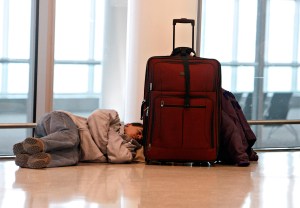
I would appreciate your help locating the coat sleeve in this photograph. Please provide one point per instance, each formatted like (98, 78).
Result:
(99, 122)
(236, 137)
(118, 149)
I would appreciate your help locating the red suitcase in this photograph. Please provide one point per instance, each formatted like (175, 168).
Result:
(182, 106)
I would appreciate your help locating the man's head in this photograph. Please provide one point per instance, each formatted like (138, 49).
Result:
(134, 130)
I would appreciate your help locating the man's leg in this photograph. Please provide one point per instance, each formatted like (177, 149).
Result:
(58, 132)
(58, 144)
(65, 157)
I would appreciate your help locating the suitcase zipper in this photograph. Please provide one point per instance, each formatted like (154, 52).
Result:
(162, 104)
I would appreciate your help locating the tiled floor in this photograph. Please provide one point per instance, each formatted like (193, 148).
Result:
(273, 181)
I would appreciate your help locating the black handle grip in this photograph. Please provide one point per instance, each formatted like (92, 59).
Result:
(184, 20)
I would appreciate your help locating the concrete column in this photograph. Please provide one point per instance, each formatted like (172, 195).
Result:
(46, 57)
(114, 55)
(150, 34)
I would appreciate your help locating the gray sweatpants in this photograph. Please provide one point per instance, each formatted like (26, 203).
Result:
(61, 139)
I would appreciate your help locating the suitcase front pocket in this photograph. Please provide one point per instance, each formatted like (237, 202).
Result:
(176, 126)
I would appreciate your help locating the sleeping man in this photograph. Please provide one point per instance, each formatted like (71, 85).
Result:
(64, 139)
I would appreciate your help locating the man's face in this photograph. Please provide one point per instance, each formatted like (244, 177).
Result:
(135, 132)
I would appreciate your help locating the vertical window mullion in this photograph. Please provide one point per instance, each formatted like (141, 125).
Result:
(33, 59)
(199, 27)
(264, 63)
(203, 25)
(257, 110)
(5, 46)
(4, 78)
(92, 47)
(235, 43)
(258, 104)
(5, 28)
(296, 46)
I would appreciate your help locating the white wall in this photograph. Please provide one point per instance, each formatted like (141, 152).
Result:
(149, 34)
(114, 55)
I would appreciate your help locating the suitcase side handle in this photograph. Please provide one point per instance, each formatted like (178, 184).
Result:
(184, 21)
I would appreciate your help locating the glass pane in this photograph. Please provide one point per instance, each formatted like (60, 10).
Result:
(2, 10)
(16, 100)
(245, 79)
(98, 79)
(72, 31)
(77, 33)
(19, 28)
(9, 137)
(279, 79)
(298, 83)
(229, 34)
(226, 78)
(1, 84)
(281, 31)
(279, 107)
(70, 79)
(298, 52)
(18, 79)
(79, 45)
(217, 35)
(247, 31)
(282, 136)
(99, 24)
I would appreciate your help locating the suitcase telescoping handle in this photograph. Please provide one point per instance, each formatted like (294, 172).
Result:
(184, 52)
(184, 21)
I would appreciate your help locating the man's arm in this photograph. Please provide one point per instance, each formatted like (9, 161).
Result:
(99, 122)
(118, 149)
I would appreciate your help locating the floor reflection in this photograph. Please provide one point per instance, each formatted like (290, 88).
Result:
(273, 181)
(81, 185)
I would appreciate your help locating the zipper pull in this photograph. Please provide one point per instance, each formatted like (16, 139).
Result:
(147, 111)
(162, 103)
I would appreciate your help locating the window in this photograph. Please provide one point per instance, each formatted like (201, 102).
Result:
(90, 53)
(257, 43)
(74, 36)
(229, 35)
(15, 40)
(16, 68)
(78, 54)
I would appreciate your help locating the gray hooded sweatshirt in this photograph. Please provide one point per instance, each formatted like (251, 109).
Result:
(102, 138)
